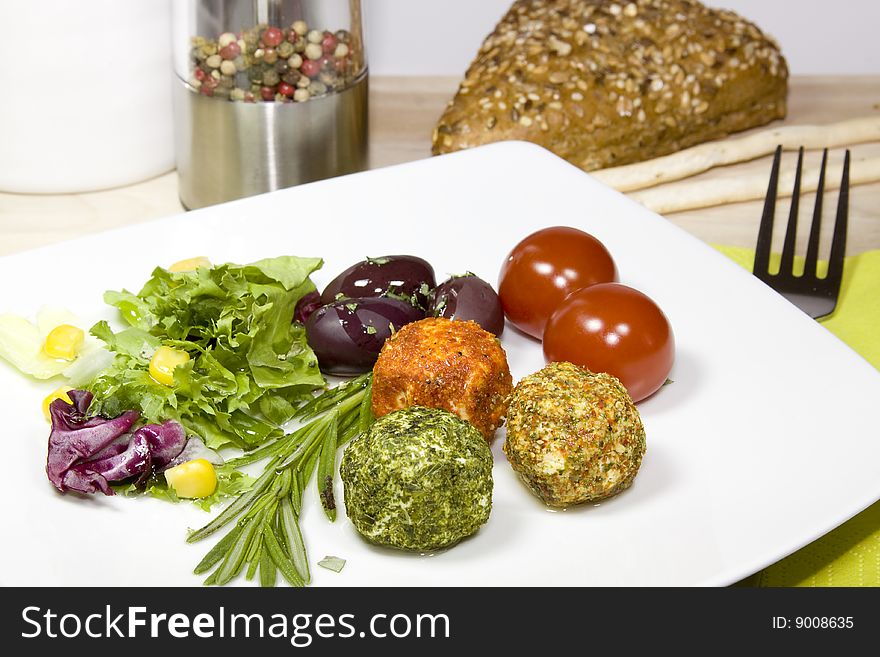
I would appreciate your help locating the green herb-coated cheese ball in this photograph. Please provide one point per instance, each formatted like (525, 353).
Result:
(418, 479)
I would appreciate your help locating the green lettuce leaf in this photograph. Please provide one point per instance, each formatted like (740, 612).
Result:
(250, 366)
(230, 483)
(290, 271)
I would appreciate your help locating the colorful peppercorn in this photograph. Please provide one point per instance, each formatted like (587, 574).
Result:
(328, 43)
(226, 39)
(317, 88)
(295, 63)
(230, 51)
(310, 67)
(314, 51)
(208, 86)
(272, 36)
(271, 78)
(285, 50)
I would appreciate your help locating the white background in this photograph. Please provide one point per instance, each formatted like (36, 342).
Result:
(441, 37)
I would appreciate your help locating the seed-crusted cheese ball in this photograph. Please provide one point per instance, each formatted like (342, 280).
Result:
(572, 435)
(418, 479)
(443, 363)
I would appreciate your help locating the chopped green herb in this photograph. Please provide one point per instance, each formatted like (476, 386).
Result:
(332, 563)
(392, 293)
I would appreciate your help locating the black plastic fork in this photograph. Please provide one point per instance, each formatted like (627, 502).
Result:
(815, 296)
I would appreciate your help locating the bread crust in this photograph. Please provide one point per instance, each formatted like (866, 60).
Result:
(603, 83)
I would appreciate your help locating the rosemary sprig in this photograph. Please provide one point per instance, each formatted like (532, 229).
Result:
(266, 536)
(332, 397)
(327, 468)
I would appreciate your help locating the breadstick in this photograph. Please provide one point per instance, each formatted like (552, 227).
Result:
(691, 195)
(730, 151)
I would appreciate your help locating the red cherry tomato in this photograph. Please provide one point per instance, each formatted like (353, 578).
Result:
(545, 268)
(615, 329)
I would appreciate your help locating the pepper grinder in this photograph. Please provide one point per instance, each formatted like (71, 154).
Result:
(267, 94)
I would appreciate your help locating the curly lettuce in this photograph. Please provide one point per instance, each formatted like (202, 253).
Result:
(250, 366)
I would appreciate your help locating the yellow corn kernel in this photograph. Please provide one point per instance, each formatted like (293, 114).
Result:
(190, 264)
(61, 393)
(64, 342)
(195, 478)
(164, 362)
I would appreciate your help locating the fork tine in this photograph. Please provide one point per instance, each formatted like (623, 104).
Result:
(813, 244)
(838, 242)
(765, 231)
(786, 263)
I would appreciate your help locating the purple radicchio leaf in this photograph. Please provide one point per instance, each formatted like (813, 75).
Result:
(151, 446)
(195, 449)
(82, 480)
(76, 437)
(87, 453)
(166, 441)
(116, 447)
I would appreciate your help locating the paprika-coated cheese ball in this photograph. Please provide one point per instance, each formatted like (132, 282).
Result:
(448, 364)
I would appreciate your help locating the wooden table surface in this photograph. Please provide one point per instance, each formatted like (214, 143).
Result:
(403, 112)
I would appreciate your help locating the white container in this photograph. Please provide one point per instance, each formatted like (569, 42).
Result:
(85, 94)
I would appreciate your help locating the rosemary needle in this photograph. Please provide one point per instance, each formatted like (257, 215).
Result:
(266, 536)
(327, 467)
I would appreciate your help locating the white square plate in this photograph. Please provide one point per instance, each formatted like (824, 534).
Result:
(766, 440)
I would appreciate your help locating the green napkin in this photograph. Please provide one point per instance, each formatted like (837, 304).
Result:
(849, 555)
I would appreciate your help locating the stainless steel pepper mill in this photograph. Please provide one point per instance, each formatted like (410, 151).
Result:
(228, 147)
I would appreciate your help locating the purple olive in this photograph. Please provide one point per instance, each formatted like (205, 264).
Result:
(396, 276)
(306, 306)
(347, 334)
(469, 297)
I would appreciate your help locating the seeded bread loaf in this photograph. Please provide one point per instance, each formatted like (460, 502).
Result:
(603, 83)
